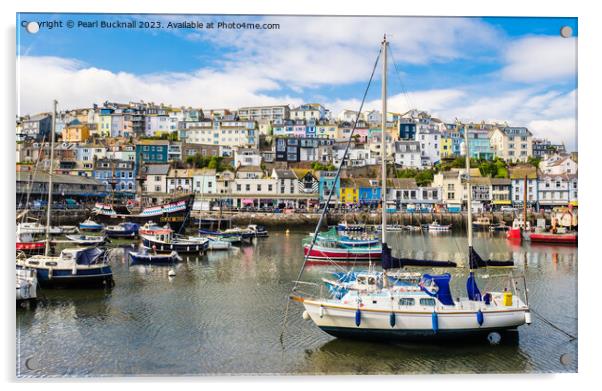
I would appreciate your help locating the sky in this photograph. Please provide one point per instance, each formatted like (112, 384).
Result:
(515, 70)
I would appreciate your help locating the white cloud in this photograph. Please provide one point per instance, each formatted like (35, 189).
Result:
(74, 84)
(541, 58)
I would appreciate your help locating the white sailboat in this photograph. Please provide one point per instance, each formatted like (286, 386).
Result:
(374, 307)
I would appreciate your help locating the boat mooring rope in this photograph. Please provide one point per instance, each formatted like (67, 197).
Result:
(549, 323)
(338, 174)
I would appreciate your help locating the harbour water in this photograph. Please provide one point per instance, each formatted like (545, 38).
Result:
(223, 314)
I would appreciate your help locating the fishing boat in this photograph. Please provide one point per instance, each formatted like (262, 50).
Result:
(90, 225)
(378, 311)
(330, 252)
(87, 240)
(146, 255)
(234, 235)
(175, 212)
(74, 266)
(481, 223)
(38, 229)
(27, 283)
(216, 244)
(163, 240)
(436, 227)
(122, 230)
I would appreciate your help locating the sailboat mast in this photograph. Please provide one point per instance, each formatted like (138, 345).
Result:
(383, 145)
(468, 189)
(525, 204)
(49, 207)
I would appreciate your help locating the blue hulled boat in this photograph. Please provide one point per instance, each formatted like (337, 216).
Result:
(122, 230)
(90, 225)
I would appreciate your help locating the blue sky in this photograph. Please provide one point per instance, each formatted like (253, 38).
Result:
(517, 70)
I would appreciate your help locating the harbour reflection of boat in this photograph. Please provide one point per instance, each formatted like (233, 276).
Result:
(344, 356)
(156, 269)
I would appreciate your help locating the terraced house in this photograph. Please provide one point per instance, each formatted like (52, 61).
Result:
(513, 144)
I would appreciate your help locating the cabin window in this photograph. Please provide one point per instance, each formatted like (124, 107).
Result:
(427, 302)
(406, 301)
(371, 281)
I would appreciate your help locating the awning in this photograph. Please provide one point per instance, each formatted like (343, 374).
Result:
(247, 201)
(502, 202)
(573, 203)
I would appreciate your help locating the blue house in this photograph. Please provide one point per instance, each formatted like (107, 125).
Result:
(116, 175)
(327, 184)
(407, 129)
(369, 191)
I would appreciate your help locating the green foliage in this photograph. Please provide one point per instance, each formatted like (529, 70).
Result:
(422, 177)
(212, 162)
(317, 166)
(534, 161)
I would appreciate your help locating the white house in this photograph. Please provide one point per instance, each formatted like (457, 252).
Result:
(179, 181)
(247, 157)
(408, 154)
(558, 164)
(429, 138)
(204, 181)
(286, 182)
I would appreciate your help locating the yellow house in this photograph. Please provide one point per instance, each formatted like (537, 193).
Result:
(104, 128)
(445, 146)
(76, 132)
(348, 193)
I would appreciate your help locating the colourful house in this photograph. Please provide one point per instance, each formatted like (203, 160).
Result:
(327, 184)
(446, 146)
(76, 132)
(368, 191)
(348, 193)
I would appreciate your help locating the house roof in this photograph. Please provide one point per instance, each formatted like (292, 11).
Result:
(23, 176)
(500, 181)
(203, 171)
(285, 174)
(249, 169)
(155, 169)
(519, 172)
(402, 183)
(180, 173)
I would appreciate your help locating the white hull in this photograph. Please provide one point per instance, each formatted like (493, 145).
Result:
(340, 319)
(27, 283)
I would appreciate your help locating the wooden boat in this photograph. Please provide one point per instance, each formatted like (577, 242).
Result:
(176, 213)
(163, 240)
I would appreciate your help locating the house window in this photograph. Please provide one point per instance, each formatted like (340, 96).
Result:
(270, 187)
(248, 187)
(238, 187)
(258, 187)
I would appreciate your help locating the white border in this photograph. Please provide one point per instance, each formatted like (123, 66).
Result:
(589, 145)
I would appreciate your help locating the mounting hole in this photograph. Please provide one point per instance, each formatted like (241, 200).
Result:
(566, 31)
(32, 27)
(565, 359)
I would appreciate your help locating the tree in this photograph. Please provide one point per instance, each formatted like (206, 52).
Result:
(534, 161)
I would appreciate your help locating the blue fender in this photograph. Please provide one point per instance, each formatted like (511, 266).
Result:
(358, 317)
(480, 317)
(435, 322)
(392, 319)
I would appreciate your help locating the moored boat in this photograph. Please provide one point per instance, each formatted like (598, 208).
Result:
(258, 230)
(90, 225)
(87, 240)
(146, 255)
(436, 227)
(550, 237)
(122, 230)
(481, 222)
(163, 240)
(27, 283)
(26, 243)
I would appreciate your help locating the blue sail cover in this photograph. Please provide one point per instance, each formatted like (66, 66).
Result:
(89, 256)
(437, 286)
(472, 289)
(475, 261)
(390, 262)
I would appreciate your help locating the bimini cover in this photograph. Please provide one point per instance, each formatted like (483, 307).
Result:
(437, 286)
(131, 227)
(89, 256)
(390, 262)
(475, 261)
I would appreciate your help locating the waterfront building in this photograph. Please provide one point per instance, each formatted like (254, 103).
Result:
(225, 180)
(307, 182)
(117, 175)
(180, 180)
(556, 190)
(517, 178)
(63, 186)
(270, 113)
(405, 194)
(153, 178)
(481, 193)
(513, 144)
(328, 185)
(348, 193)
(453, 191)
(76, 132)
(368, 191)
(204, 181)
(407, 154)
(501, 192)
(286, 182)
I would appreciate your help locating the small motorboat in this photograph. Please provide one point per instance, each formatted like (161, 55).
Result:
(230, 235)
(122, 230)
(86, 240)
(436, 227)
(146, 255)
(258, 230)
(517, 229)
(38, 229)
(499, 227)
(90, 225)
(68, 229)
(559, 236)
(73, 267)
(27, 283)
